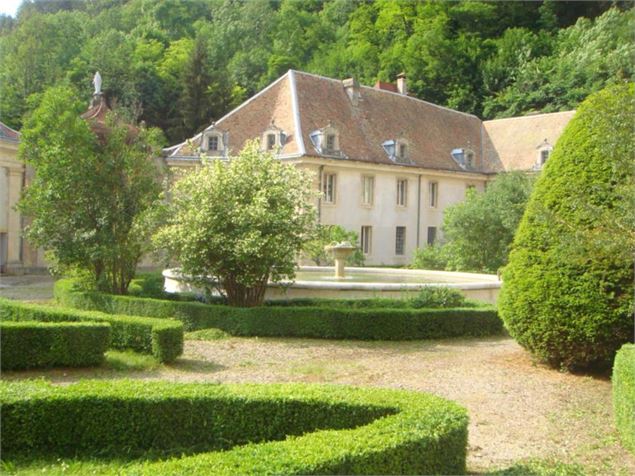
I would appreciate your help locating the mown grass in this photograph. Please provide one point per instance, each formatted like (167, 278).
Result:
(206, 334)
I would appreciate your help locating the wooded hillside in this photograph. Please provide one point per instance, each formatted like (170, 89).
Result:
(180, 64)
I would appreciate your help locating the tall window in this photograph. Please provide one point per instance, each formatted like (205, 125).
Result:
(328, 188)
(212, 143)
(400, 240)
(403, 149)
(433, 192)
(368, 189)
(402, 192)
(432, 234)
(271, 141)
(330, 142)
(544, 155)
(366, 239)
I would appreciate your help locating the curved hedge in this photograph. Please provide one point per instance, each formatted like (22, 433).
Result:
(31, 344)
(163, 338)
(263, 429)
(624, 395)
(567, 293)
(297, 321)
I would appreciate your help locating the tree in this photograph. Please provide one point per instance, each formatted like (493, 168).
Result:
(92, 196)
(480, 230)
(242, 222)
(567, 292)
(326, 235)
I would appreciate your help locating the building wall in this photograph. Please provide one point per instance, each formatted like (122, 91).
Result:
(16, 256)
(384, 216)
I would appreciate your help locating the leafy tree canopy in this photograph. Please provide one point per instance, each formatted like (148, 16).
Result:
(92, 198)
(242, 222)
(180, 64)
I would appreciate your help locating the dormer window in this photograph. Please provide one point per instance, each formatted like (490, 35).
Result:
(464, 157)
(544, 151)
(213, 142)
(330, 142)
(326, 141)
(271, 141)
(397, 150)
(274, 138)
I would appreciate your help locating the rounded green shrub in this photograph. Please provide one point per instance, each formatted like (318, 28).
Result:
(567, 292)
(623, 380)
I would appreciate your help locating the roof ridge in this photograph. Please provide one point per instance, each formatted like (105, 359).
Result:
(296, 112)
(389, 92)
(530, 116)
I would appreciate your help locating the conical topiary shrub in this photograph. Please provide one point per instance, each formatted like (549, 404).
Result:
(567, 291)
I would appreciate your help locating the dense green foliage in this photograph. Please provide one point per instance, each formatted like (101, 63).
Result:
(179, 64)
(338, 430)
(623, 380)
(31, 344)
(162, 338)
(479, 231)
(241, 223)
(567, 292)
(337, 321)
(92, 196)
(326, 235)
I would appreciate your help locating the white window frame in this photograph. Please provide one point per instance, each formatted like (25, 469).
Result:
(329, 190)
(433, 194)
(402, 192)
(366, 239)
(541, 159)
(368, 190)
(220, 142)
(320, 138)
(400, 251)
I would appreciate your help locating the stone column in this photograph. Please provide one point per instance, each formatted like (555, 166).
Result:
(14, 222)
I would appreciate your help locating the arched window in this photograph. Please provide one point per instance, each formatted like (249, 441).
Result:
(214, 142)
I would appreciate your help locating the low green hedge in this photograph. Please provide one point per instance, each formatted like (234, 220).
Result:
(624, 395)
(236, 429)
(162, 338)
(298, 321)
(32, 344)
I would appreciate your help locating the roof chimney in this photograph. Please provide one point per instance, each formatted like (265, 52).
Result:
(401, 84)
(351, 86)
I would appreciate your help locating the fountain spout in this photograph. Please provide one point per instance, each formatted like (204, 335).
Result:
(340, 251)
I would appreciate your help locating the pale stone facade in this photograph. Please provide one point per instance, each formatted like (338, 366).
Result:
(16, 256)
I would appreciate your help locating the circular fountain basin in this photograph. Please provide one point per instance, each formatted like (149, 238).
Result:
(359, 283)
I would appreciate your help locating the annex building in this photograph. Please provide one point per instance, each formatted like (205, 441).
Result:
(387, 164)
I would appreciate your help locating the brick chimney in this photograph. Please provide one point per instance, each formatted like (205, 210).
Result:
(351, 86)
(401, 84)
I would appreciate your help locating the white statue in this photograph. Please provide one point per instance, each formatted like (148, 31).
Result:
(97, 83)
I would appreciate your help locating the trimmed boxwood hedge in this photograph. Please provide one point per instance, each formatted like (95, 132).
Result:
(163, 338)
(262, 429)
(624, 395)
(298, 321)
(31, 344)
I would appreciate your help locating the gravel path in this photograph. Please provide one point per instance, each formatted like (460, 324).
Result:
(518, 409)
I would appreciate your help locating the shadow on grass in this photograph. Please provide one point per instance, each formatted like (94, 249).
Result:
(196, 366)
(533, 467)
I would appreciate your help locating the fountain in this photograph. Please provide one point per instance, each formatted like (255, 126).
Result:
(341, 251)
(361, 283)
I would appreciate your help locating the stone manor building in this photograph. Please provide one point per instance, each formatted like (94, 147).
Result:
(387, 164)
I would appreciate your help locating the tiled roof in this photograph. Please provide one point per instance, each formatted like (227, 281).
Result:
(8, 134)
(514, 143)
(300, 103)
(430, 131)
